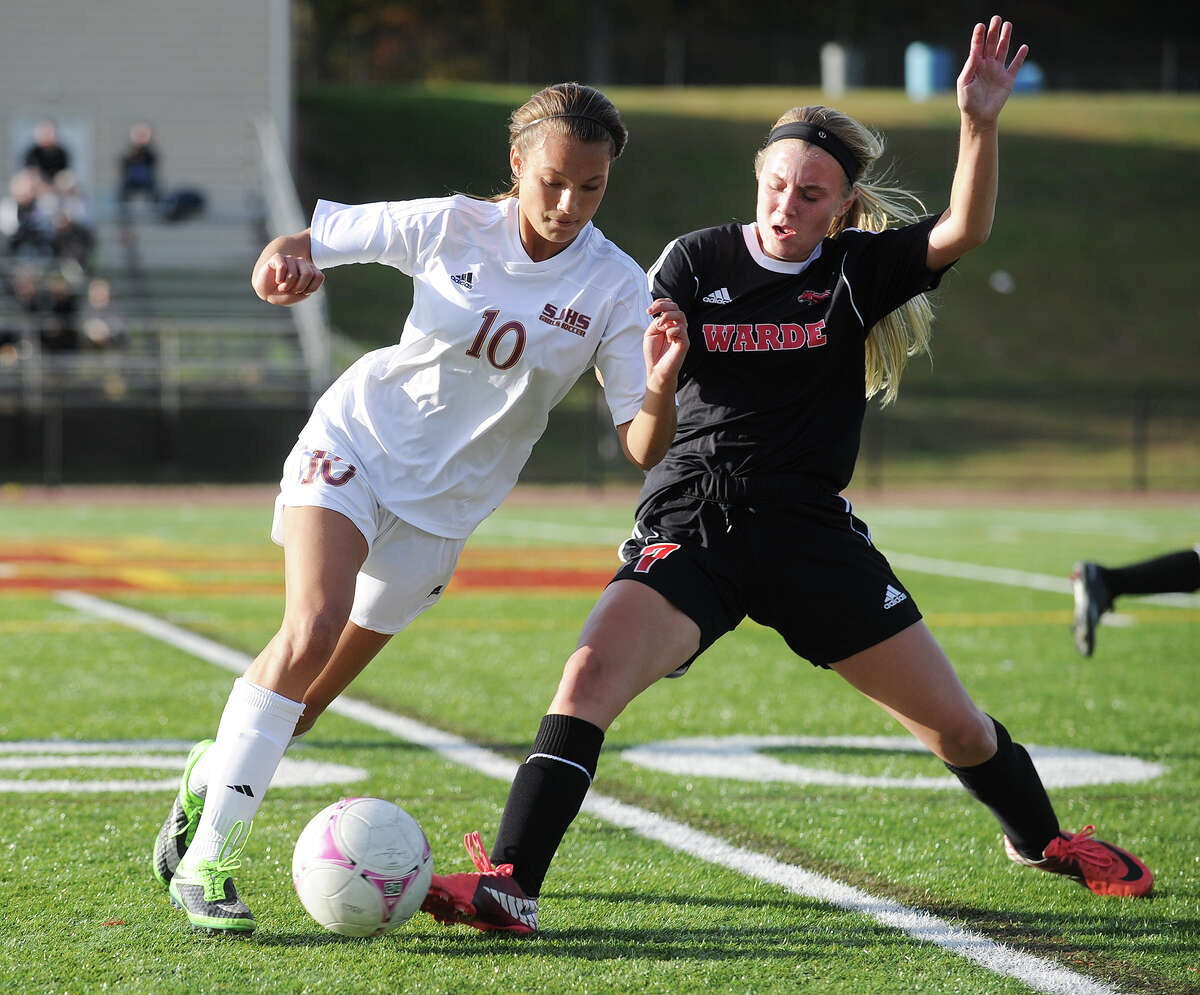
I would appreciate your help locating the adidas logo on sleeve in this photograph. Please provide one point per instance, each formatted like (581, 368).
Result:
(892, 597)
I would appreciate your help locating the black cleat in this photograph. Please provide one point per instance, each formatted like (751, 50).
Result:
(1091, 601)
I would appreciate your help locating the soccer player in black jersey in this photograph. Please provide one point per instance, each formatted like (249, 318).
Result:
(788, 318)
(1096, 587)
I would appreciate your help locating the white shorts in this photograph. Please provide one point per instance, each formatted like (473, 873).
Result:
(406, 569)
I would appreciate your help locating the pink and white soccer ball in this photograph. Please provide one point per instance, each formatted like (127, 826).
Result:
(362, 866)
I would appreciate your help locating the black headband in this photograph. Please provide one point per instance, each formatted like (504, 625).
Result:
(822, 138)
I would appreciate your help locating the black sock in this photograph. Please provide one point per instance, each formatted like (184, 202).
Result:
(1175, 572)
(546, 796)
(1009, 785)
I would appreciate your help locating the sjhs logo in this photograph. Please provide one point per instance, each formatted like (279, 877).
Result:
(565, 317)
(322, 463)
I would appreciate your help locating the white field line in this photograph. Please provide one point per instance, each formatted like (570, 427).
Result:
(1039, 974)
(976, 571)
(1016, 578)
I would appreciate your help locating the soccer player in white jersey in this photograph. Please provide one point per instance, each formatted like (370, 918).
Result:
(415, 444)
(790, 318)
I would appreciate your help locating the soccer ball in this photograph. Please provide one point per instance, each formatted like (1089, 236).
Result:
(362, 866)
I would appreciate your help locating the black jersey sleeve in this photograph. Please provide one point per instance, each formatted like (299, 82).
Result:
(886, 269)
(674, 275)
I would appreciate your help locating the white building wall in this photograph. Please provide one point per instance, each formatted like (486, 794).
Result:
(199, 72)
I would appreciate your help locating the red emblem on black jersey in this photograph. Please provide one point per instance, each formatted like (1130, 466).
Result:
(652, 554)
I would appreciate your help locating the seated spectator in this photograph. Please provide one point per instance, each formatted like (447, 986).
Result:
(16, 322)
(71, 235)
(139, 165)
(103, 326)
(46, 155)
(20, 324)
(10, 347)
(67, 198)
(58, 329)
(26, 289)
(23, 222)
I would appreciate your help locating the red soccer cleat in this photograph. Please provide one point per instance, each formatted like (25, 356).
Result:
(489, 900)
(1100, 866)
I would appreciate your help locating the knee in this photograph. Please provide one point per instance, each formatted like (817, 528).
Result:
(968, 741)
(593, 687)
(308, 640)
(586, 674)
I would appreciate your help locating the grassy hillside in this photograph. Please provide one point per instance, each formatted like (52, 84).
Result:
(1096, 205)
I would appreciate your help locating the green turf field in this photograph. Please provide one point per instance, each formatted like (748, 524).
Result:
(724, 884)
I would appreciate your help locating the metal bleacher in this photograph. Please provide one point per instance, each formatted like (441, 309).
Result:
(196, 345)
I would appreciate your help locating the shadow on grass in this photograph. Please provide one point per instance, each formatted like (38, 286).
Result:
(662, 944)
(1038, 934)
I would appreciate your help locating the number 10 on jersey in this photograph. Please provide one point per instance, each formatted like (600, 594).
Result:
(495, 343)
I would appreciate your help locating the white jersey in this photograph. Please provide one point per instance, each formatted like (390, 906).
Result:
(441, 423)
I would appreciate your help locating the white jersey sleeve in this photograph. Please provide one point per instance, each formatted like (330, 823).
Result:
(402, 234)
(619, 357)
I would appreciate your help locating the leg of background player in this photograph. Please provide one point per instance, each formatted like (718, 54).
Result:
(1096, 587)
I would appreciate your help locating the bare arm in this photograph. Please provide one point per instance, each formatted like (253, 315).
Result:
(984, 86)
(647, 437)
(285, 273)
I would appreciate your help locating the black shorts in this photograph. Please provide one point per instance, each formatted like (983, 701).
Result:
(806, 569)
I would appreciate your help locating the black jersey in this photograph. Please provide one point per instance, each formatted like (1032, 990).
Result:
(772, 389)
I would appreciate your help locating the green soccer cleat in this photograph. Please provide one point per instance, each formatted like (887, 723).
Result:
(177, 832)
(206, 892)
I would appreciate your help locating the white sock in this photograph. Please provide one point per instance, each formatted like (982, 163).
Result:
(236, 715)
(255, 730)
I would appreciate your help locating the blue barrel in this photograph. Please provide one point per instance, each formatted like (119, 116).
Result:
(927, 70)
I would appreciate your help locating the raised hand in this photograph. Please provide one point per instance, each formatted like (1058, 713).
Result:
(665, 343)
(985, 82)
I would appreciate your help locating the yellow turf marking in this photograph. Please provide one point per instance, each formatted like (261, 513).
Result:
(150, 578)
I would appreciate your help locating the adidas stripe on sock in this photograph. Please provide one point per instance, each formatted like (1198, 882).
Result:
(255, 729)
